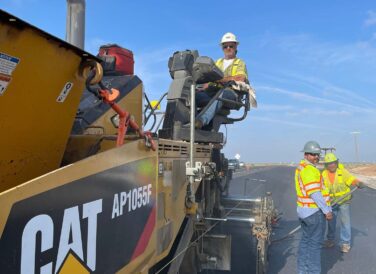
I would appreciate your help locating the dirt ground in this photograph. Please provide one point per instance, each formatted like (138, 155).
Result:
(365, 173)
(366, 170)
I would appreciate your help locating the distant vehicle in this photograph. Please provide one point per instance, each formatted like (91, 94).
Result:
(241, 164)
(233, 164)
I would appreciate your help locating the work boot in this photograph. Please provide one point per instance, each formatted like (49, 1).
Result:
(328, 244)
(345, 248)
(198, 124)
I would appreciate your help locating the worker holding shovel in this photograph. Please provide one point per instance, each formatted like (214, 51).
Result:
(338, 181)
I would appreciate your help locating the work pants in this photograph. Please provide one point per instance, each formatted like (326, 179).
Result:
(309, 253)
(343, 213)
(203, 98)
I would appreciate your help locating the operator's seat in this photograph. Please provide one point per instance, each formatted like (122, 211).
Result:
(204, 71)
(186, 68)
(222, 116)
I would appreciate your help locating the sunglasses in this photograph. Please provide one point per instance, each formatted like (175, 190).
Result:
(314, 154)
(228, 46)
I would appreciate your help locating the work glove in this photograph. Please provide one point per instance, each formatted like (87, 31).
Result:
(252, 97)
(361, 185)
(241, 86)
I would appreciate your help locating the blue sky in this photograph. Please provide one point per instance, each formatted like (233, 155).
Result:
(313, 64)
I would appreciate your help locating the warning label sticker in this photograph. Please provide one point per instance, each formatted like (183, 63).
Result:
(4, 82)
(64, 92)
(8, 63)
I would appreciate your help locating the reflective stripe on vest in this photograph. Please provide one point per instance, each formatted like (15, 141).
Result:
(305, 200)
(219, 63)
(338, 181)
(234, 65)
(302, 189)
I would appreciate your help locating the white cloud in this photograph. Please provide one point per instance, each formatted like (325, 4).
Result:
(290, 123)
(271, 107)
(347, 95)
(331, 90)
(314, 100)
(371, 18)
(295, 95)
(306, 48)
(291, 110)
(319, 112)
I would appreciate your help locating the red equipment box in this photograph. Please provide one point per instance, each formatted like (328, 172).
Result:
(117, 60)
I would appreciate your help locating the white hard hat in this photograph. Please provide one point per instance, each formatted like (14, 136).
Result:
(229, 37)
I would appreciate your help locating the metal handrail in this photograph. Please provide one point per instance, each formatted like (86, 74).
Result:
(244, 104)
(152, 111)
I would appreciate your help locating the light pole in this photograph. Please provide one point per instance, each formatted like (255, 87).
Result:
(356, 133)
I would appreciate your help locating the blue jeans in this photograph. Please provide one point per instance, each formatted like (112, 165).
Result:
(309, 253)
(203, 98)
(343, 212)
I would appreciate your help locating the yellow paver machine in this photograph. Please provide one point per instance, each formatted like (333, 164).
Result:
(83, 189)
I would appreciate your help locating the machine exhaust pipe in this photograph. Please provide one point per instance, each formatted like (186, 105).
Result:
(75, 31)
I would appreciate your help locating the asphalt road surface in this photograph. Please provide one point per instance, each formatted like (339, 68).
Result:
(282, 255)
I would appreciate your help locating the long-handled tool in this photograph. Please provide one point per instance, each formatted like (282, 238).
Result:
(334, 204)
(337, 202)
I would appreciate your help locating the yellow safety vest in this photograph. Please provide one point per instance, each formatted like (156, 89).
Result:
(237, 67)
(341, 185)
(308, 180)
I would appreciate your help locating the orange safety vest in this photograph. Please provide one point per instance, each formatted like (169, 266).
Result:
(306, 186)
(341, 184)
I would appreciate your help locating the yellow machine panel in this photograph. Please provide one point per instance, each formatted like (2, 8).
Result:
(101, 211)
(101, 135)
(40, 92)
(132, 103)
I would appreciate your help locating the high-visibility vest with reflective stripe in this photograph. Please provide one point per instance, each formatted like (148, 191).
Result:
(341, 185)
(237, 67)
(305, 189)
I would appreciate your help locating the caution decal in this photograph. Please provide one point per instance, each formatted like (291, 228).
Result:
(7, 65)
(96, 224)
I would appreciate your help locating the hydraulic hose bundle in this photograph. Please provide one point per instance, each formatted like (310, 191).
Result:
(109, 97)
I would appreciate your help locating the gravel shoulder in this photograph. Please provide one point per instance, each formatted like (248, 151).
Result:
(365, 173)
